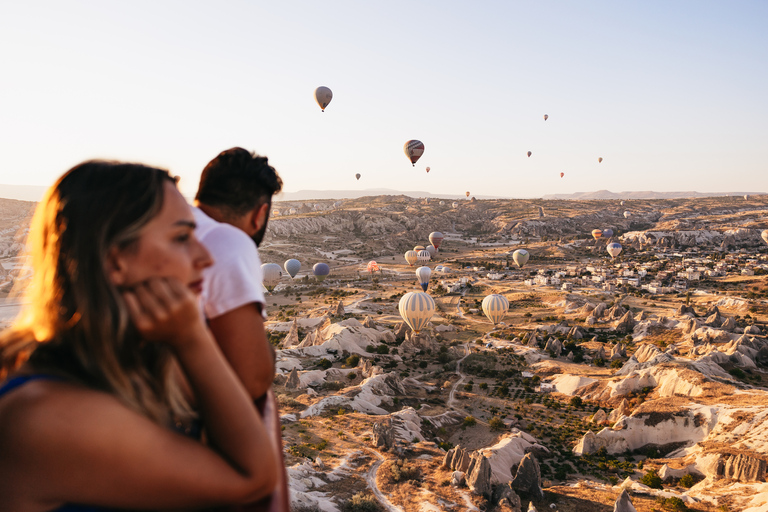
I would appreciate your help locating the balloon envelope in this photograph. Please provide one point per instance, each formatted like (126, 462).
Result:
(357, 176)
(373, 267)
(562, 174)
(431, 250)
(423, 274)
(292, 266)
(323, 96)
(597, 233)
(607, 233)
(467, 193)
(495, 306)
(529, 154)
(764, 235)
(271, 274)
(321, 270)
(613, 249)
(455, 204)
(546, 117)
(413, 150)
(423, 256)
(520, 257)
(436, 238)
(417, 309)
(419, 248)
(427, 169)
(627, 215)
(411, 257)
(600, 160)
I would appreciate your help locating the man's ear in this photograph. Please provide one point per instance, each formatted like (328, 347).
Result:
(115, 267)
(259, 217)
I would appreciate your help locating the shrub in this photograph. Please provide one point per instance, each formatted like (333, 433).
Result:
(687, 481)
(370, 349)
(651, 479)
(352, 361)
(324, 364)
(483, 385)
(361, 502)
(576, 401)
(496, 423)
(382, 349)
(616, 363)
(351, 375)
(402, 470)
(468, 387)
(469, 421)
(422, 364)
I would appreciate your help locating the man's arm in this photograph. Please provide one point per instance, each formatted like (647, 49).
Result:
(241, 336)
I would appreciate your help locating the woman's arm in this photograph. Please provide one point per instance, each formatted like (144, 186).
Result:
(61, 443)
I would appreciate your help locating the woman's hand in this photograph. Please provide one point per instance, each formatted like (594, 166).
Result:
(164, 310)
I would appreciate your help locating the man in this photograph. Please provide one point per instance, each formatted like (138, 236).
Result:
(233, 202)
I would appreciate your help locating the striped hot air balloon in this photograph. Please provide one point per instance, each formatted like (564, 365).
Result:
(413, 150)
(411, 257)
(292, 266)
(321, 271)
(423, 256)
(597, 233)
(495, 306)
(419, 248)
(436, 237)
(271, 274)
(417, 309)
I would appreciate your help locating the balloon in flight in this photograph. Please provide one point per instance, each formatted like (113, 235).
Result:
(529, 154)
(413, 150)
(411, 257)
(323, 96)
(423, 274)
(627, 215)
(562, 174)
(427, 169)
(495, 306)
(321, 271)
(357, 176)
(292, 266)
(521, 257)
(614, 249)
(271, 274)
(546, 117)
(597, 233)
(431, 250)
(467, 193)
(423, 256)
(607, 233)
(373, 267)
(419, 248)
(455, 204)
(417, 309)
(600, 160)
(436, 238)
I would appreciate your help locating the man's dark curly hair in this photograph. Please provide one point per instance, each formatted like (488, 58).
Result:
(237, 181)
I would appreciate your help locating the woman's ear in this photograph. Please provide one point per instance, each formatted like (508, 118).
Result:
(115, 267)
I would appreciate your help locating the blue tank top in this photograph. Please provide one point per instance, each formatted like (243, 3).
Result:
(14, 383)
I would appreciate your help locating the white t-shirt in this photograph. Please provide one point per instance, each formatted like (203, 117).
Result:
(235, 277)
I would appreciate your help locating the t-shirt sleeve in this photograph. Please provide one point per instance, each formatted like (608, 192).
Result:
(235, 278)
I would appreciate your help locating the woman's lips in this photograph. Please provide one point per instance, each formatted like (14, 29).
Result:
(197, 286)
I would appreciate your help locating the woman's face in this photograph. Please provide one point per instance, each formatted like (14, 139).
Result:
(166, 247)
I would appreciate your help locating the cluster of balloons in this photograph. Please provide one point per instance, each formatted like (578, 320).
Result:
(272, 272)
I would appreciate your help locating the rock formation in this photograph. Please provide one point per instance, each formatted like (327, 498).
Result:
(528, 477)
(384, 434)
(479, 474)
(339, 310)
(626, 324)
(292, 338)
(369, 323)
(621, 410)
(623, 503)
(293, 381)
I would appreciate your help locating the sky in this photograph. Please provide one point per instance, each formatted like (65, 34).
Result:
(672, 95)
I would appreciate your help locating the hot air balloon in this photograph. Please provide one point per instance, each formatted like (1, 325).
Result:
(520, 257)
(271, 274)
(495, 306)
(546, 117)
(597, 233)
(431, 250)
(600, 160)
(627, 215)
(427, 169)
(323, 96)
(321, 271)
(413, 150)
(373, 267)
(417, 309)
(292, 266)
(562, 174)
(613, 249)
(442, 203)
(423, 274)
(292, 211)
(419, 248)
(411, 257)
(746, 197)
(423, 256)
(275, 213)
(529, 154)
(436, 238)
(764, 235)
(622, 203)
(357, 176)
(455, 204)
(607, 233)
(467, 193)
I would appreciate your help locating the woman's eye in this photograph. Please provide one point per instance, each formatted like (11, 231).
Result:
(183, 238)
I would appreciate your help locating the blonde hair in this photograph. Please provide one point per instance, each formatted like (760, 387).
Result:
(75, 323)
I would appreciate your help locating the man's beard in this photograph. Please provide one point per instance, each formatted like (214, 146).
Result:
(259, 235)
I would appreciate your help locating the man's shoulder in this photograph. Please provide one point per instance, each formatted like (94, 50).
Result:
(222, 237)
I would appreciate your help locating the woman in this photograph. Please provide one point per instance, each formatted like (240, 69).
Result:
(90, 413)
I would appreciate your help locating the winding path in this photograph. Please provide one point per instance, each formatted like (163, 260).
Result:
(371, 479)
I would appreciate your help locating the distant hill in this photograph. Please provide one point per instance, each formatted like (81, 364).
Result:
(304, 195)
(22, 192)
(644, 194)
